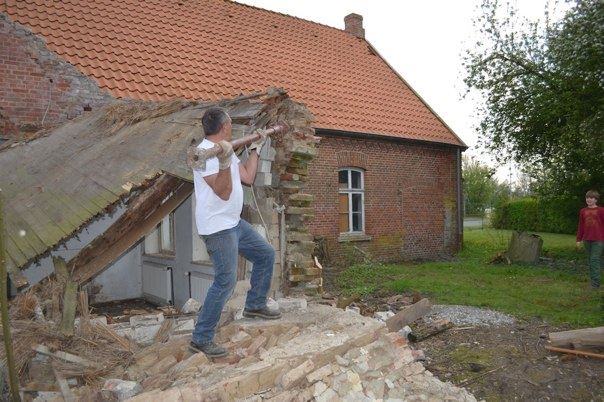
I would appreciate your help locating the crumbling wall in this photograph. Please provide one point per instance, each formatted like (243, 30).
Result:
(38, 89)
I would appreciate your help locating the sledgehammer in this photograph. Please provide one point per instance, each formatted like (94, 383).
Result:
(196, 158)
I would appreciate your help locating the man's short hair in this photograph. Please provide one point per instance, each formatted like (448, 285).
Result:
(213, 120)
(592, 194)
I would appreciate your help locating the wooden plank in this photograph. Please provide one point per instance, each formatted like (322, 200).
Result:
(586, 338)
(125, 232)
(68, 357)
(408, 315)
(68, 395)
(575, 352)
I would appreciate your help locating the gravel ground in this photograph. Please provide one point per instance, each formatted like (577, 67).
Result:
(466, 315)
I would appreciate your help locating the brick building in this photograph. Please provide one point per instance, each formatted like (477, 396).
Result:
(387, 178)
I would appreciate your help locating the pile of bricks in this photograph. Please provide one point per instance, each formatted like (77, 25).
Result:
(321, 353)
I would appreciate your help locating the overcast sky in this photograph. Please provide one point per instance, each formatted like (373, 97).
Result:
(423, 40)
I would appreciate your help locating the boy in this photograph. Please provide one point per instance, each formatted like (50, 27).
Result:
(591, 233)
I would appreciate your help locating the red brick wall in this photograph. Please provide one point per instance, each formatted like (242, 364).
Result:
(37, 88)
(410, 198)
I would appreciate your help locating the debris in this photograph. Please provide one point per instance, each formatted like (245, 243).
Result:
(120, 389)
(292, 304)
(383, 315)
(64, 356)
(408, 315)
(575, 352)
(190, 306)
(164, 331)
(587, 338)
(430, 329)
(68, 395)
(70, 289)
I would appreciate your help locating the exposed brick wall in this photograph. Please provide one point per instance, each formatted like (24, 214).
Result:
(410, 198)
(38, 86)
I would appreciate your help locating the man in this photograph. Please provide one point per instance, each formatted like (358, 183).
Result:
(219, 200)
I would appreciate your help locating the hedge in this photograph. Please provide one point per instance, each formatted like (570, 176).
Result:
(556, 215)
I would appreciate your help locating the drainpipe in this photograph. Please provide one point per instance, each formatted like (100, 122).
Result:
(459, 201)
(281, 210)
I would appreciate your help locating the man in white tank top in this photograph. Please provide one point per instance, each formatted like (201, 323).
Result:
(219, 201)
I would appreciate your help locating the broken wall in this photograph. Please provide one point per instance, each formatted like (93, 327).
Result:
(38, 88)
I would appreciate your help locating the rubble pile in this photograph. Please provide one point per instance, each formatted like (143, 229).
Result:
(314, 352)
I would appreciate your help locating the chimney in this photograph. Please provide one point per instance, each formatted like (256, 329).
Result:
(353, 24)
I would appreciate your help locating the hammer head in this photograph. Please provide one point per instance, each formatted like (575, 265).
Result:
(196, 158)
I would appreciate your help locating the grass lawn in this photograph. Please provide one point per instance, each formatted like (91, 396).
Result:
(557, 291)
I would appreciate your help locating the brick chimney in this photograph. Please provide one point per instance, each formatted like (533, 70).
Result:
(353, 24)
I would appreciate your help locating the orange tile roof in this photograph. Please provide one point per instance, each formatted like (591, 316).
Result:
(213, 49)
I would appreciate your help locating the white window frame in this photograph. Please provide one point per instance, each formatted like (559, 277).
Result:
(158, 234)
(350, 191)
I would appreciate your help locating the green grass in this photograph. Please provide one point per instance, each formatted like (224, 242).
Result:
(557, 291)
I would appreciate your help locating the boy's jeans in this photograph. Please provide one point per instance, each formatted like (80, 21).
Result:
(594, 255)
(223, 247)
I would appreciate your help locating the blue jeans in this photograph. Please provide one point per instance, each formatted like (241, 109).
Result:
(223, 248)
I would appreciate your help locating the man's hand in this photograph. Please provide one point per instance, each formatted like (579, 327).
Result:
(579, 246)
(224, 158)
(259, 143)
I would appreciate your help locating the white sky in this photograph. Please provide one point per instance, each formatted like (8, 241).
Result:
(423, 40)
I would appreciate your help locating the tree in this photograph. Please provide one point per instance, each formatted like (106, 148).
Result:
(543, 86)
(479, 186)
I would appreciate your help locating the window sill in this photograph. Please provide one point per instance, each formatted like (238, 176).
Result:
(348, 237)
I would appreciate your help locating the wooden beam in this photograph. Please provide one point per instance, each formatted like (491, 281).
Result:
(70, 292)
(408, 315)
(586, 338)
(140, 219)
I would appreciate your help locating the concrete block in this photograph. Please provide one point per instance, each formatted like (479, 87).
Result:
(162, 365)
(190, 306)
(297, 374)
(292, 304)
(195, 360)
(264, 166)
(342, 362)
(120, 389)
(240, 336)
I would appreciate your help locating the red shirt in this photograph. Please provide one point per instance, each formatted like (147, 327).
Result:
(591, 224)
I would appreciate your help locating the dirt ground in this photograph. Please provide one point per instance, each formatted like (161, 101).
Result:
(505, 363)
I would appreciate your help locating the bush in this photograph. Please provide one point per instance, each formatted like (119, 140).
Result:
(555, 215)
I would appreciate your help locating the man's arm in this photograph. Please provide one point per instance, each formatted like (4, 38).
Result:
(247, 170)
(221, 183)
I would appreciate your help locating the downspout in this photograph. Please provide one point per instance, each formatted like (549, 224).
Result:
(281, 210)
(459, 205)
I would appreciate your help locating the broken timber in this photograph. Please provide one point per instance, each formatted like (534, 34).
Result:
(70, 292)
(144, 213)
(574, 352)
(408, 315)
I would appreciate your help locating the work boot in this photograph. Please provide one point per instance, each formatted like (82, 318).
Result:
(263, 312)
(209, 349)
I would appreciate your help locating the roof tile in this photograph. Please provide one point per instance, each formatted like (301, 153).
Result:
(208, 49)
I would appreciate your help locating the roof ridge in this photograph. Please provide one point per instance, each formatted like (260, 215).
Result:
(285, 15)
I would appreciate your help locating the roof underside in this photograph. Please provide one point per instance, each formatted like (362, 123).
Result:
(212, 49)
(55, 185)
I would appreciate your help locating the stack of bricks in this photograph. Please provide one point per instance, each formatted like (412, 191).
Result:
(295, 150)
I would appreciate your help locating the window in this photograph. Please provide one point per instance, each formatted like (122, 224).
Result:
(351, 190)
(161, 239)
